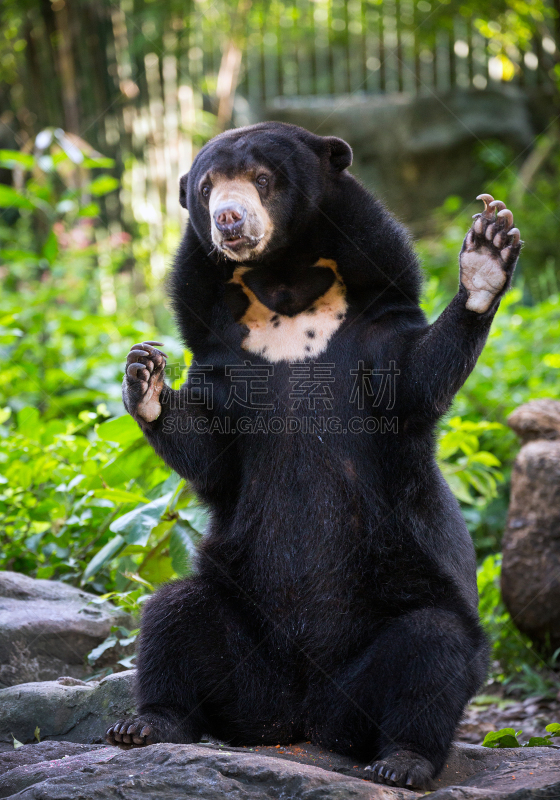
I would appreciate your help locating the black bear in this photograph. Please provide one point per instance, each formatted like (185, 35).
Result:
(334, 597)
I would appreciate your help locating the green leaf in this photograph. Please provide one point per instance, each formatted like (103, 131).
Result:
(50, 248)
(173, 483)
(122, 430)
(553, 728)
(28, 422)
(9, 197)
(133, 576)
(120, 496)
(197, 517)
(103, 185)
(17, 743)
(506, 737)
(486, 458)
(538, 741)
(181, 549)
(98, 651)
(89, 210)
(129, 464)
(14, 158)
(37, 733)
(137, 525)
(104, 555)
(98, 162)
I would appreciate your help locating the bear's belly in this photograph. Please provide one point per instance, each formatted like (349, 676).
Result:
(281, 337)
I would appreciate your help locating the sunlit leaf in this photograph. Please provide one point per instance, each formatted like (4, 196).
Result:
(123, 430)
(103, 185)
(137, 525)
(506, 737)
(14, 158)
(10, 197)
(120, 496)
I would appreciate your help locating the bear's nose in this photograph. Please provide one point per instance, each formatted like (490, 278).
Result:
(229, 218)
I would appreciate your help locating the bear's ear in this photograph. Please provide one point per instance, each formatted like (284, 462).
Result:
(183, 190)
(340, 153)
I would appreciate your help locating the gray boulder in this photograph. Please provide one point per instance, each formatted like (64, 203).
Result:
(531, 542)
(47, 628)
(67, 709)
(62, 771)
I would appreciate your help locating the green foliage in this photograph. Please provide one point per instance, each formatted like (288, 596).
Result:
(465, 466)
(82, 497)
(507, 737)
(91, 500)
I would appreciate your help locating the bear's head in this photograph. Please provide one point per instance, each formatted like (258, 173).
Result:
(250, 190)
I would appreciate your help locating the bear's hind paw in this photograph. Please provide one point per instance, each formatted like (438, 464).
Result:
(129, 733)
(404, 768)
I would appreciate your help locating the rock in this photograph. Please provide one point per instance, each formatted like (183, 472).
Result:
(45, 762)
(73, 713)
(43, 751)
(49, 771)
(47, 628)
(531, 543)
(537, 419)
(168, 771)
(510, 774)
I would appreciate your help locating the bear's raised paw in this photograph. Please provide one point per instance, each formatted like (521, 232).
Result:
(489, 254)
(143, 381)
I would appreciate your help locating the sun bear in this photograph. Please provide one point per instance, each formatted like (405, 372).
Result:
(334, 597)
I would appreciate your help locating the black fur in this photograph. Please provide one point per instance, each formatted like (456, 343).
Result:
(334, 597)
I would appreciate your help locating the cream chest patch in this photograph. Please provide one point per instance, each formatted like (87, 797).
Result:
(277, 337)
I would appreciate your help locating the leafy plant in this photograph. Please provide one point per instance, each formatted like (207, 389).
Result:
(507, 737)
(472, 473)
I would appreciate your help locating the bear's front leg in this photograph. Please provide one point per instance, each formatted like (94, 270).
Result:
(144, 381)
(489, 254)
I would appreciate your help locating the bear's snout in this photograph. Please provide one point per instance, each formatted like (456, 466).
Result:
(241, 226)
(229, 219)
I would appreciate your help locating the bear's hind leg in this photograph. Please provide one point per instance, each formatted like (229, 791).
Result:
(174, 634)
(398, 704)
(205, 665)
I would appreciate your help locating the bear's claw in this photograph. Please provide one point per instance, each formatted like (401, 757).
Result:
(405, 768)
(129, 733)
(489, 254)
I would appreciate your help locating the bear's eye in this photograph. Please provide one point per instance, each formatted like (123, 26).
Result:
(262, 181)
(205, 190)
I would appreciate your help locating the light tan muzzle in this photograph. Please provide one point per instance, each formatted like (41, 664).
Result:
(241, 226)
